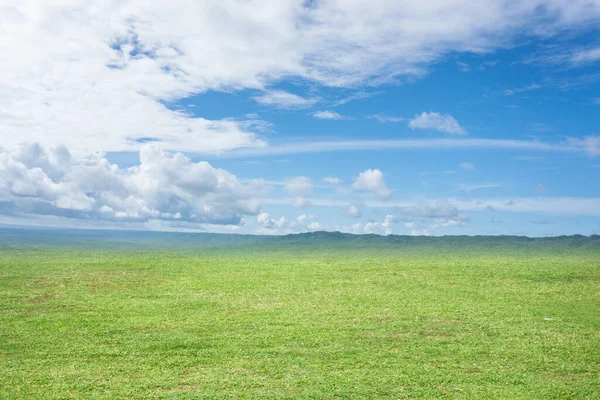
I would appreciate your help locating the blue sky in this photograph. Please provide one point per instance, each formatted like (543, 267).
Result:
(440, 118)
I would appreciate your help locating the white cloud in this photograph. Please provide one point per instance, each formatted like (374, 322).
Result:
(439, 209)
(328, 115)
(370, 227)
(471, 188)
(572, 145)
(356, 96)
(285, 100)
(280, 226)
(572, 57)
(458, 220)
(391, 38)
(315, 226)
(353, 211)
(533, 86)
(299, 186)
(488, 64)
(439, 122)
(443, 214)
(384, 227)
(467, 165)
(448, 207)
(388, 221)
(372, 180)
(301, 202)
(464, 67)
(425, 229)
(542, 205)
(97, 76)
(265, 221)
(332, 179)
(164, 186)
(591, 144)
(382, 118)
(303, 218)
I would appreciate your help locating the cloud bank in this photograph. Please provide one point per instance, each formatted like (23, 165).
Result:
(99, 74)
(164, 186)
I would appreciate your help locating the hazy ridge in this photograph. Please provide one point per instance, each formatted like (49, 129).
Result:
(11, 237)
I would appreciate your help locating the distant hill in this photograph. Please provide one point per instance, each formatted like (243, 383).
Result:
(11, 238)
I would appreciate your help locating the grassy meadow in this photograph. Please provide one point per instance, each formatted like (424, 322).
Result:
(259, 323)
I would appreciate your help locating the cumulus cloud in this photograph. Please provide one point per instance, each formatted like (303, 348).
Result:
(282, 225)
(372, 180)
(315, 226)
(439, 122)
(304, 217)
(35, 180)
(353, 211)
(467, 166)
(299, 186)
(99, 76)
(384, 227)
(265, 221)
(374, 227)
(307, 223)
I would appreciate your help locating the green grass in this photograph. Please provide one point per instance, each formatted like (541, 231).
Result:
(307, 325)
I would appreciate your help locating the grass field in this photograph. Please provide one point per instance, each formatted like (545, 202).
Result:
(254, 324)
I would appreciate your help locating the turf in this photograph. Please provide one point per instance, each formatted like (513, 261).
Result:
(252, 324)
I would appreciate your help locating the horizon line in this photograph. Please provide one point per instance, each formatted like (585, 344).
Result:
(6, 226)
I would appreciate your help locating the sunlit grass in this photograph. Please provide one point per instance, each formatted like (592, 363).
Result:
(252, 324)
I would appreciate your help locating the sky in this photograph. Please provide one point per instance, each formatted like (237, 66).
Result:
(456, 117)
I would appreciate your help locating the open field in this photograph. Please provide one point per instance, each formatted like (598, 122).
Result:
(251, 323)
